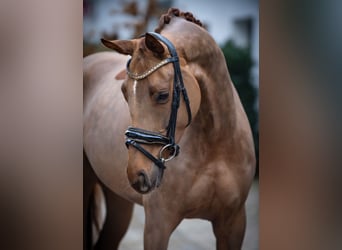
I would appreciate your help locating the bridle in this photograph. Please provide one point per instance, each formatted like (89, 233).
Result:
(137, 136)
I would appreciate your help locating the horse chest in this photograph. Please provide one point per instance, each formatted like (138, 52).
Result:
(210, 192)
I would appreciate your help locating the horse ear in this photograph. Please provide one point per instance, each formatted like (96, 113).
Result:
(122, 46)
(153, 44)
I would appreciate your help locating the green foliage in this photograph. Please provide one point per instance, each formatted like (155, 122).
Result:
(239, 62)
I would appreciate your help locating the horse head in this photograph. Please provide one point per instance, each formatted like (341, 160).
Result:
(163, 96)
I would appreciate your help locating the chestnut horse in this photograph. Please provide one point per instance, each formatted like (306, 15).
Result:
(189, 150)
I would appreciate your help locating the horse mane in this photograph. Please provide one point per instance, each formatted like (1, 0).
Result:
(172, 12)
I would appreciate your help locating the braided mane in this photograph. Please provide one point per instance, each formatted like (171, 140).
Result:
(166, 18)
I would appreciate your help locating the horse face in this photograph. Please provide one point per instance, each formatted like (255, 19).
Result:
(149, 100)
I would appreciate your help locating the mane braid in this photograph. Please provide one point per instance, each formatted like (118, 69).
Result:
(166, 18)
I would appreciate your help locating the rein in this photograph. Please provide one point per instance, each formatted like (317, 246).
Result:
(137, 136)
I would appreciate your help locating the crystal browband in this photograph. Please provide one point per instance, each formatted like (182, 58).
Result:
(150, 71)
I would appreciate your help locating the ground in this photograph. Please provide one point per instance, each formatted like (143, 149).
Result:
(196, 234)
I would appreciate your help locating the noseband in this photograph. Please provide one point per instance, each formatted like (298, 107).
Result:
(137, 136)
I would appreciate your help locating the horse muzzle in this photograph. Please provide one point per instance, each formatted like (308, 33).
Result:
(134, 137)
(142, 184)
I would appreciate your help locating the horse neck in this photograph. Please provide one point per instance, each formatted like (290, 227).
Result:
(215, 121)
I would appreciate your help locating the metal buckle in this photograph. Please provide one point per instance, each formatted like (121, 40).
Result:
(173, 147)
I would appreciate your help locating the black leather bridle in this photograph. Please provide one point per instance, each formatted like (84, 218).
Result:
(137, 136)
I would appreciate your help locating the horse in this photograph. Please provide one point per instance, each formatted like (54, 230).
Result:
(164, 128)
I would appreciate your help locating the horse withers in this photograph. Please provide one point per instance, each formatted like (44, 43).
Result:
(165, 128)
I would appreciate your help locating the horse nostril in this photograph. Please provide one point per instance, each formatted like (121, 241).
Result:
(142, 185)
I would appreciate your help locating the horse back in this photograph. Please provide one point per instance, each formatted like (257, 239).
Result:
(105, 119)
(99, 66)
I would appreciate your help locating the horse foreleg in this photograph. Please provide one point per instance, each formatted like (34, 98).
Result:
(230, 232)
(158, 228)
(118, 217)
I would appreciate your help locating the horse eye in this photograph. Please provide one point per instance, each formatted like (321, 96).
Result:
(162, 97)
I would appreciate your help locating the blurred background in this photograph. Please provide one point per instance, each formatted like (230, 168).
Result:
(234, 24)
